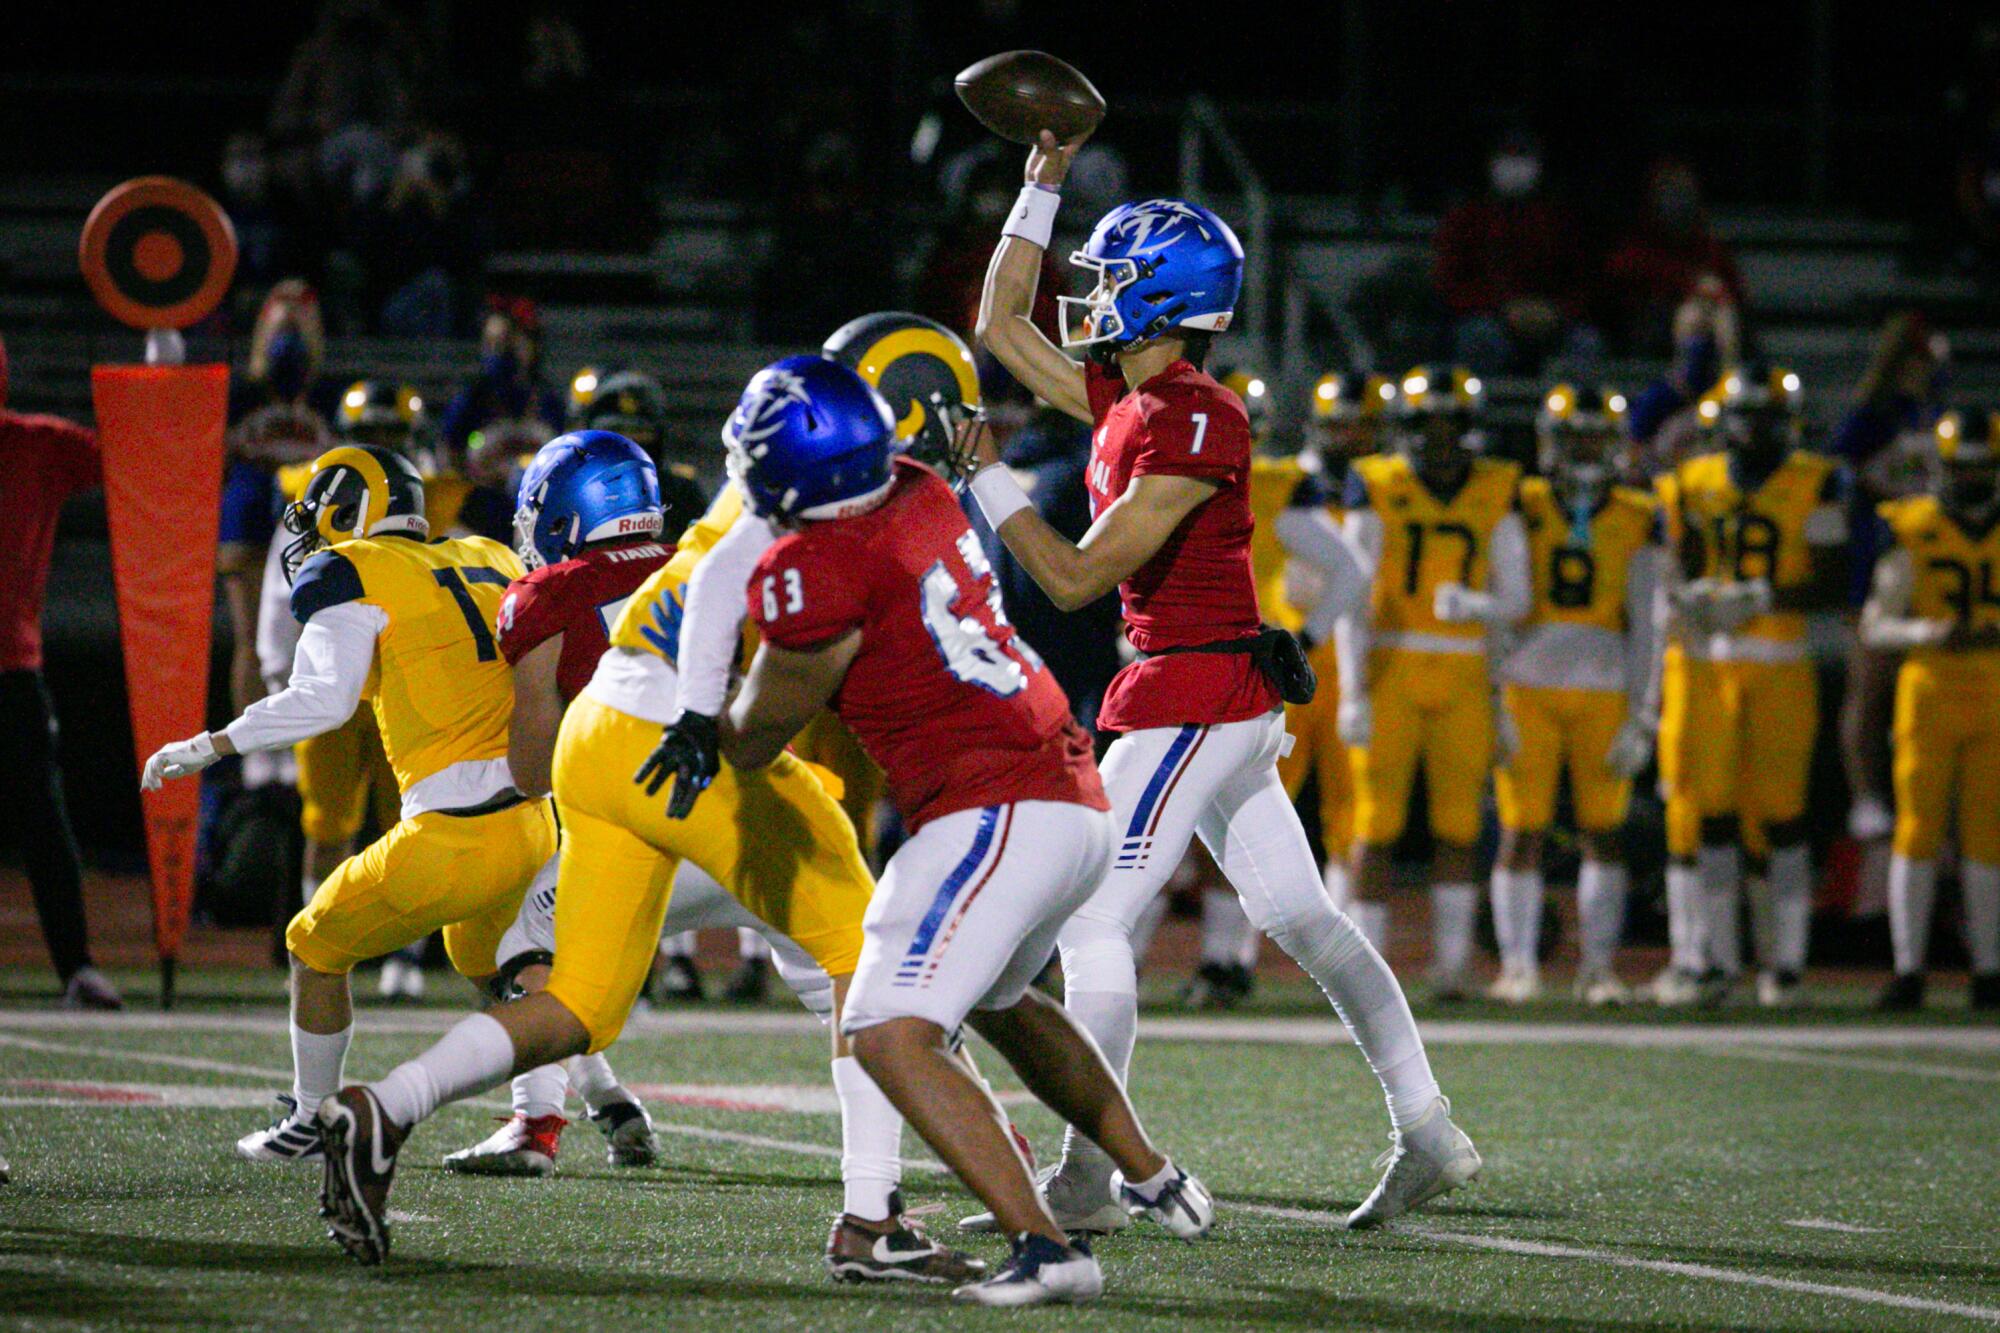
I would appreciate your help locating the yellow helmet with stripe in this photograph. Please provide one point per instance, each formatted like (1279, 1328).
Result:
(379, 412)
(1968, 445)
(1427, 391)
(924, 371)
(583, 388)
(1759, 414)
(1580, 433)
(1338, 397)
(354, 491)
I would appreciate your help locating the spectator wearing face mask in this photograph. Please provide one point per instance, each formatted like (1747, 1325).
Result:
(1506, 265)
(1666, 254)
(501, 414)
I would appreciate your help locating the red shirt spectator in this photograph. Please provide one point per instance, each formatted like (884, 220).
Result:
(1657, 263)
(1493, 251)
(43, 461)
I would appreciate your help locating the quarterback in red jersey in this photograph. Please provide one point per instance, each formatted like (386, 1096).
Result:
(1199, 717)
(879, 604)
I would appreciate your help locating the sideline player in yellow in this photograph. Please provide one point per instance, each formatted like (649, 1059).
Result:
(1446, 562)
(1581, 686)
(1937, 596)
(1758, 525)
(407, 624)
(344, 775)
(1346, 425)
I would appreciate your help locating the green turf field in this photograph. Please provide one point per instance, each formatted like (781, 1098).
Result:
(1829, 1172)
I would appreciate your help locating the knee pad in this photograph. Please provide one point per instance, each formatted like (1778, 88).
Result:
(1097, 956)
(1331, 948)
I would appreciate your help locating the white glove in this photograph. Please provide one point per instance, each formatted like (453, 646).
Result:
(1506, 736)
(1870, 819)
(1455, 604)
(1630, 749)
(1355, 720)
(178, 761)
(1736, 604)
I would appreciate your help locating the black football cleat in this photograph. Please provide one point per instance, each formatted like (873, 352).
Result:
(1904, 994)
(361, 1146)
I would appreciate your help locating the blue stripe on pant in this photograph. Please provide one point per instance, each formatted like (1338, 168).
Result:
(954, 883)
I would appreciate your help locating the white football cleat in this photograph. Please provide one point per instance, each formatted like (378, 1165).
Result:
(1516, 984)
(400, 979)
(1674, 988)
(1429, 1158)
(1183, 1205)
(524, 1146)
(292, 1138)
(1601, 990)
(1080, 1207)
(1039, 1272)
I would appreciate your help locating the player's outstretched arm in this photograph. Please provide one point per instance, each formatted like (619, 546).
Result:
(1124, 537)
(336, 648)
(786, 689)
(1006, 328)
(538, 710)
(712, 623)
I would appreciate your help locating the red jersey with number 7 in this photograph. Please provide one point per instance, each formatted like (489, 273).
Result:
(944, 695)
(1198, 587)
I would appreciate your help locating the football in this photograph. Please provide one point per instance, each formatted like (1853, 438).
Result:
(1018, 94)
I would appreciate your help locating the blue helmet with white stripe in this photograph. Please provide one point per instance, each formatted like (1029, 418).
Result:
(809, 439)
(587, 486)
(1160, 264)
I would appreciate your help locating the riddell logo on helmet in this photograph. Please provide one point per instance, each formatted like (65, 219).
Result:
(636, 523)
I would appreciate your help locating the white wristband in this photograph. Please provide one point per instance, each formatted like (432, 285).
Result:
(1034, 217)
(1000, 496)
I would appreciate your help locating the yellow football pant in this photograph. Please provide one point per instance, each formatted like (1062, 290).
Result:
(1433, 707)
(464, 874)
(1559, 728)
(1947, 735)
(341, 775)
(1736, 739)
(774, 838)
(1318, 750)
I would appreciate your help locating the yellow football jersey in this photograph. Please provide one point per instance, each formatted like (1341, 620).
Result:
(1427, 541)
(441, 691)
(1272, 481)
(1956, 576)
(651, 620)
(1735, 536)
(1579, 573)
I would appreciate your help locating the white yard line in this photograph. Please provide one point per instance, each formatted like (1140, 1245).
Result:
(1262, 1031)
(1873, 1064)
(143, 1056)
(1828, 1224)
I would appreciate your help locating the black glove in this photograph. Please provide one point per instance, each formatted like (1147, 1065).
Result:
(690, 752)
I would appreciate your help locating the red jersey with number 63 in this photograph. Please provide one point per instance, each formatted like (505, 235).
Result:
(1198, 587)
(580, 599)
(956, 708)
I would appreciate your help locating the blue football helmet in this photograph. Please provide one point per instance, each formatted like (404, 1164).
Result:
(808, 438)
(1160, 264)
(587, 486)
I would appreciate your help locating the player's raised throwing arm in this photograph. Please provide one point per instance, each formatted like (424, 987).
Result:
(1008, 301)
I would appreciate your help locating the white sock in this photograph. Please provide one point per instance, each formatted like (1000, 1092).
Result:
(1366, 995)
(1721, 890)
(681, 945)
(1790, 880)
(1339, 881)
(541, 1091)
(1101, 992)
(1224, 926)
(1685, 920)
(1517, 915)
(871, 1142)
(1454, 916)
(1912, 891)
(319, 1063)
(594, 1081)
(1979, 885)
(1600, 912)
(1149, 1188)
(1371, 918)
(750, 944)
(472, 1057)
